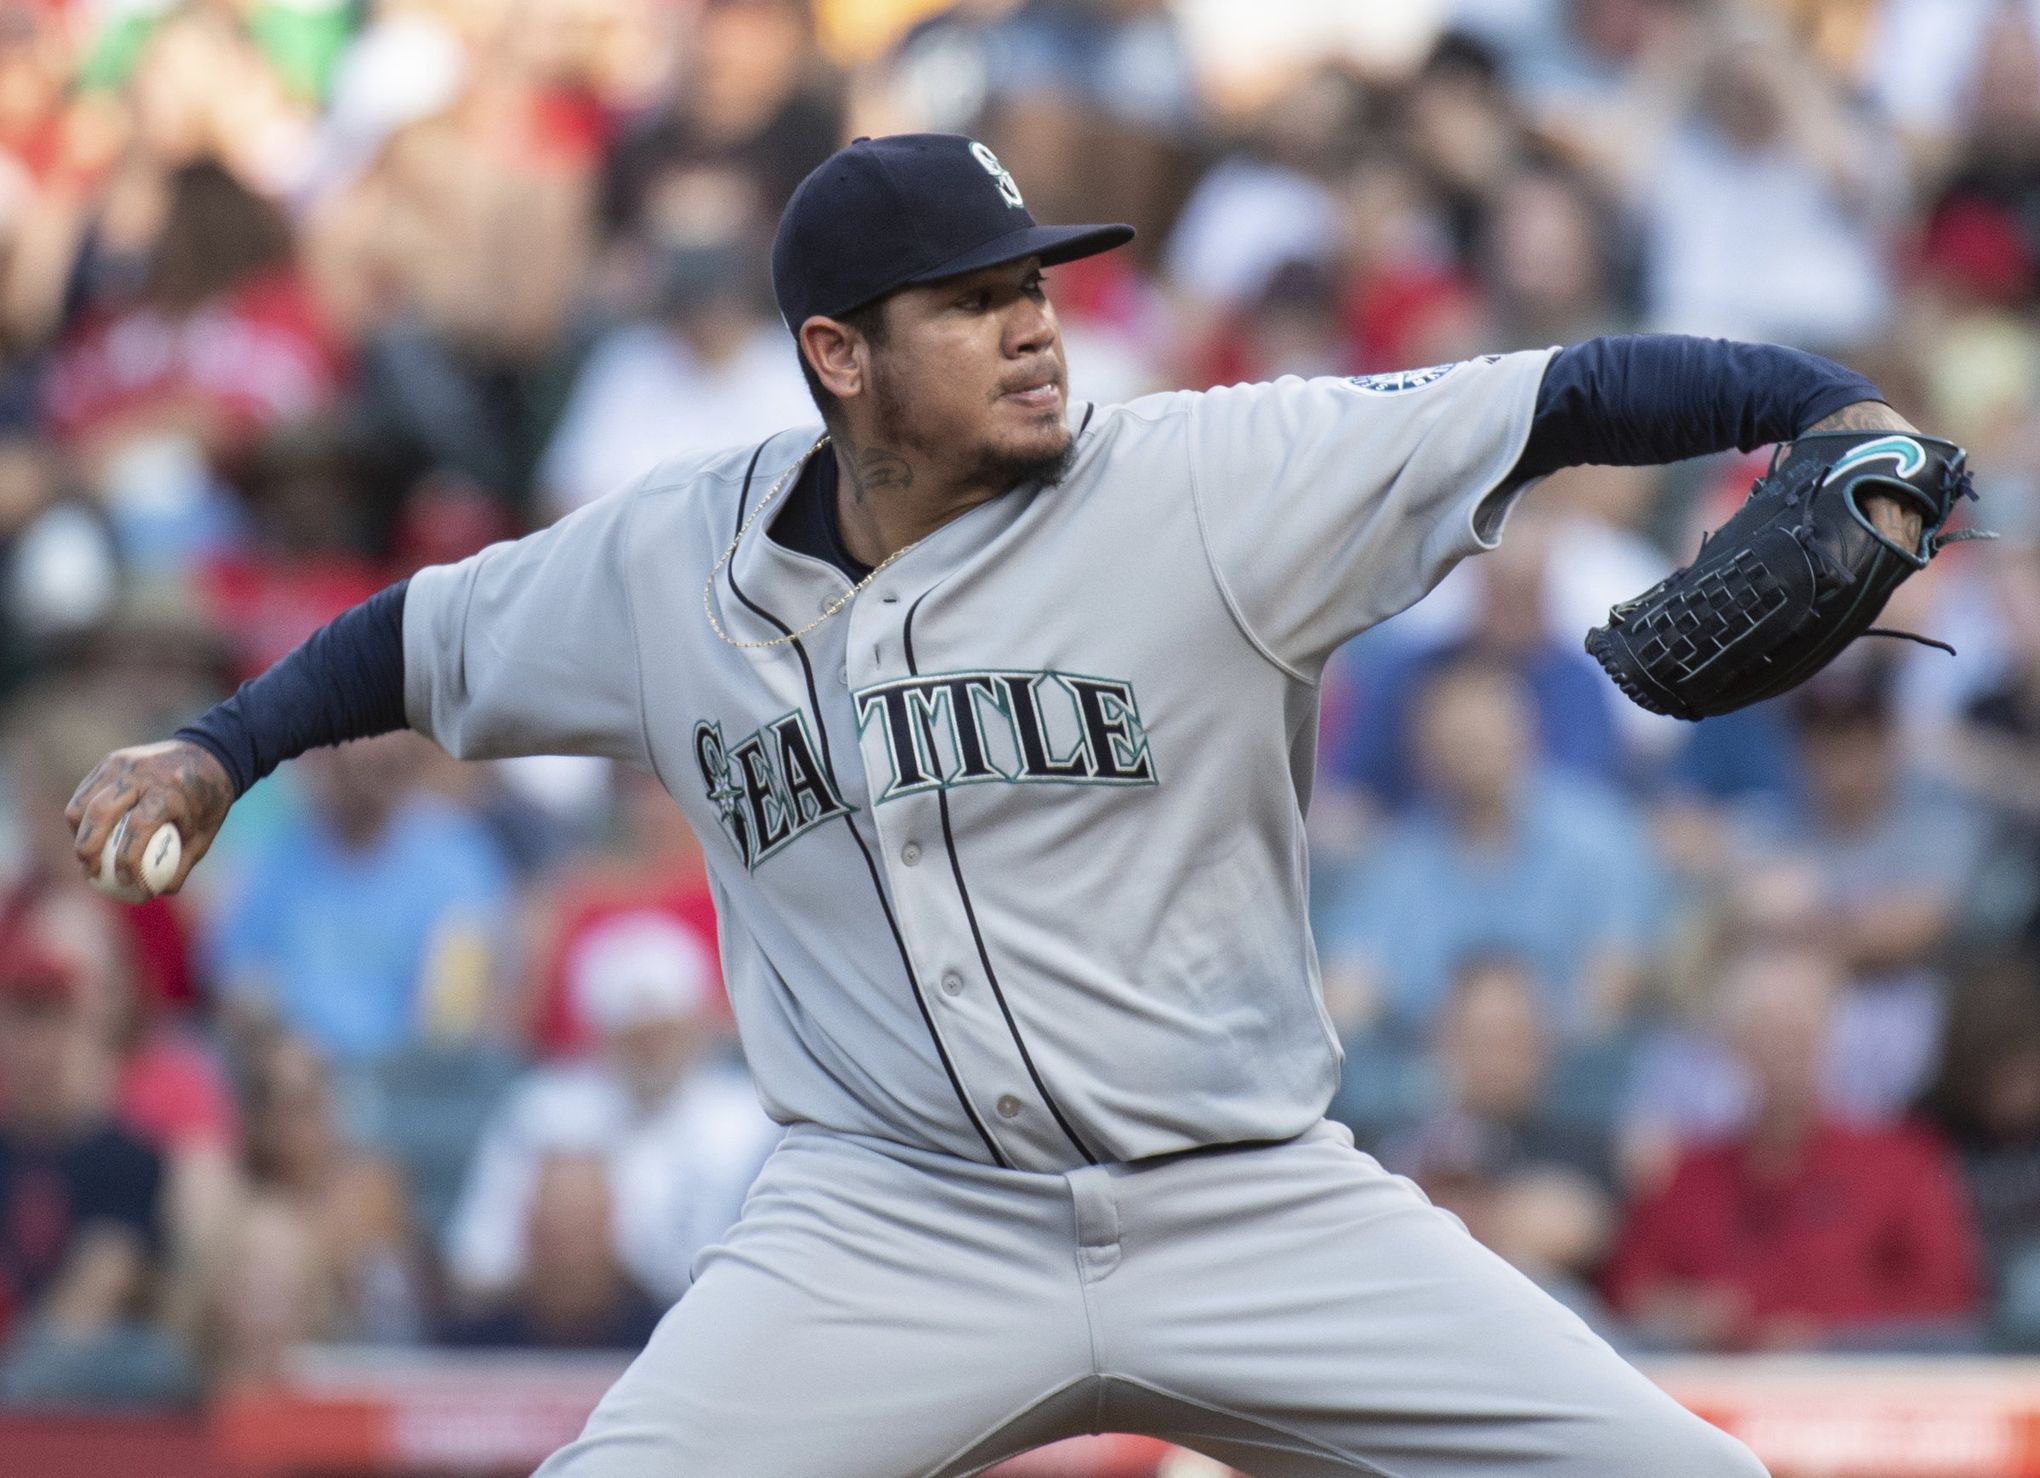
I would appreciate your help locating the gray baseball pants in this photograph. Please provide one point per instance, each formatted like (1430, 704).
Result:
(1292, 1310)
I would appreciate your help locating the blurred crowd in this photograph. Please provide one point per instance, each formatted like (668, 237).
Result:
(1727, 1034)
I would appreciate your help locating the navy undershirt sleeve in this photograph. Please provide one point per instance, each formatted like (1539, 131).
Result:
(345, 682)
(1636, 400)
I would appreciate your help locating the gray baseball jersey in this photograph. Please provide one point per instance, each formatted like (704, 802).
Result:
(1009, 862)
(1008, 854)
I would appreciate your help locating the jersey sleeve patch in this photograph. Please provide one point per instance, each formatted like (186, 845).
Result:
(1397, 382)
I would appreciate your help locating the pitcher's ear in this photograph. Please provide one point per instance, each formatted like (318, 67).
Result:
(836, 354)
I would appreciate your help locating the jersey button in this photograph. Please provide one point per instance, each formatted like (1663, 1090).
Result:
(1009, 1107)
(952, 984)
(910, 853)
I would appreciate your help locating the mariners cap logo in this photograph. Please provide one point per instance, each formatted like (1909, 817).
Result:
(999, 173)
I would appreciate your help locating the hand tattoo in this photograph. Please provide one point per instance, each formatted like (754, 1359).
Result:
(197, 774)
(1864, 415)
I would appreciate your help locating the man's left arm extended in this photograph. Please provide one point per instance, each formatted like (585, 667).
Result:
(1857, 503)
(1644, 399)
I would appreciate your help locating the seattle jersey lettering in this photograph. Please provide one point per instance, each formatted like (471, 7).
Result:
(964, 728)
(770, 788)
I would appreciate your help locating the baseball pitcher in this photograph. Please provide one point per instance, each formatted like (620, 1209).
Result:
(995, 714)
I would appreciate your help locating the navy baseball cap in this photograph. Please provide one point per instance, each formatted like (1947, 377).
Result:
(887, 213)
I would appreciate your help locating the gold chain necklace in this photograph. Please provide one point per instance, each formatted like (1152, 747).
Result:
(708, 590)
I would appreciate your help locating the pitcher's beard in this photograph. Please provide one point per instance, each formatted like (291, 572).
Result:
(1010, 470)
(991, 467)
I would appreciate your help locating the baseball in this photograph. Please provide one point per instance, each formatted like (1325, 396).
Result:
(158, 867)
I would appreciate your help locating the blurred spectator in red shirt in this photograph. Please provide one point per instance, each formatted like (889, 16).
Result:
(303, 565)
(1987, 1100)
(221, 341)
(1981, 239)
(1799, 1231)
(1291, 327)
(33, 62)
(171, 1092)
(652, 865)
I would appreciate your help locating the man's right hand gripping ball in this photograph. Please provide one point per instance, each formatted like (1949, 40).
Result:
(1801, 570)
(175, 783)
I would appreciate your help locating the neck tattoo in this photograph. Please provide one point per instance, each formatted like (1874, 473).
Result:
(708, 589)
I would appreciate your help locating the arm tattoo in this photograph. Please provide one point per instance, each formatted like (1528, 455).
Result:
(1864, 415)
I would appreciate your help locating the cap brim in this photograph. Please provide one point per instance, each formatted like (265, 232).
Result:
(1053, 244)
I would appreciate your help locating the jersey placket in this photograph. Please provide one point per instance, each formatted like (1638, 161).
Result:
(925, 873)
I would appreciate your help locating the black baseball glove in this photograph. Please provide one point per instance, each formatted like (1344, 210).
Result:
(1796, 575)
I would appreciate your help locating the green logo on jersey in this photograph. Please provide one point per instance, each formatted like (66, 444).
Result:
(769, 788)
